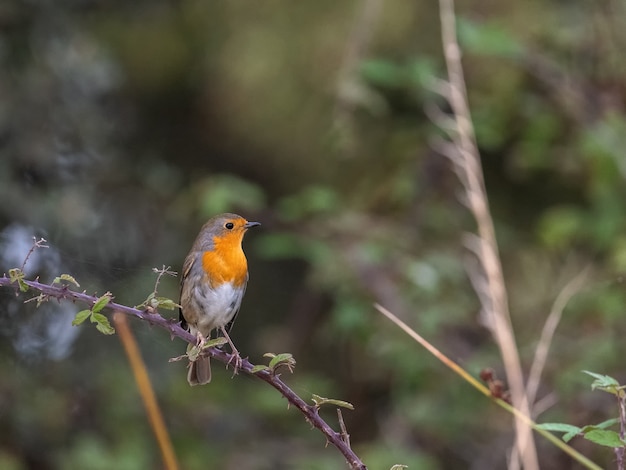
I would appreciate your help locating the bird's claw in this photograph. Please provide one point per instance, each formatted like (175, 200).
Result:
(236, 362)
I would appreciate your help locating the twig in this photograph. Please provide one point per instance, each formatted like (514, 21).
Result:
(160, 273)
(541, 353)
(36, 244)
(494, 300)
(310, 412)
(342, 426)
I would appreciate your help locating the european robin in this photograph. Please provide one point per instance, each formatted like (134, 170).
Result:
(215, 274)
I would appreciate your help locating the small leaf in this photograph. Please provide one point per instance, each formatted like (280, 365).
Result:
(604, 382)
(17, 275)
(319, 401)
(99, 318)
(569, 436)
(81, 317)
(570, 431)
(215, 342)
(166, 303)
(559, 427)
(259, 368)
(280, 358)
(342, 403)
(193, 352)
(607, 423)
(146, 302)
(102, 323)
(65, 277)
(605, 438)
(101, 303)
(105, 328)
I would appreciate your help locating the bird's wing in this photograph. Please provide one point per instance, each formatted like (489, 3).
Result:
(187, 265)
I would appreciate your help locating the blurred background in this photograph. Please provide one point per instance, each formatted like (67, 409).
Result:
(124, 126)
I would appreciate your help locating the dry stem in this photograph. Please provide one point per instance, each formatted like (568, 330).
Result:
(492, 293)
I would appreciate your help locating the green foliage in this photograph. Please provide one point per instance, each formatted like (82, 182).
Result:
(17, 275)
(194, 350)
(597, 433)
(320, 401)
(102, 323)
(81, 317)
(276, 362)
(65, 279)
(606, 384)
(155, 302)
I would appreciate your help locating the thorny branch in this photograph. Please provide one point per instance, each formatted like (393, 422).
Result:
(310, 412)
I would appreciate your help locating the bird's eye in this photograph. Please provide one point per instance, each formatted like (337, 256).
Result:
(229, 225)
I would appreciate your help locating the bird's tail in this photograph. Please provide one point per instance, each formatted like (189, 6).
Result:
(199, 371)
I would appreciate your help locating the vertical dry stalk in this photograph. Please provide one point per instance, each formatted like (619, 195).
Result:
(491, 288)
(549, 328)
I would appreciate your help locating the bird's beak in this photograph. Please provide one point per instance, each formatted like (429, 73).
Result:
(251, 224)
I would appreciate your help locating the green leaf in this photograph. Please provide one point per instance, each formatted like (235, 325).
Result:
(604, 382)
(105, 328)
(319, 401)
(280, 358)
(215, 342)
(570, 431)
(65, 277)
(193, 352)
(102, 323)
(569, 436)
(81, 317)
(605, 438)
(99, 318)
(259, 368)
(17, 275)
(607, 423)
(559, 427)
(166, 303)
(101, 303)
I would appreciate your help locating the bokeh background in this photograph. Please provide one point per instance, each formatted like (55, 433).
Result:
(125, 125)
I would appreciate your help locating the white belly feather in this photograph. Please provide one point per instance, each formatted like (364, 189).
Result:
(216, 306)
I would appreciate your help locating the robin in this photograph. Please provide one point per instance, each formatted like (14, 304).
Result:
(215, 274)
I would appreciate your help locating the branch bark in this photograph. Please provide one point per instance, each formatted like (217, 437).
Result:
(310, 412)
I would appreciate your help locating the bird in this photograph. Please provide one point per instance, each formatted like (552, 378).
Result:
(213, 283)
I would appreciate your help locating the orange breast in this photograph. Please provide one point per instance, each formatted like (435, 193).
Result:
(226, 262)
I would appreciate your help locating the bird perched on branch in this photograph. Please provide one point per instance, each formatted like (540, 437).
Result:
(215, 274)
